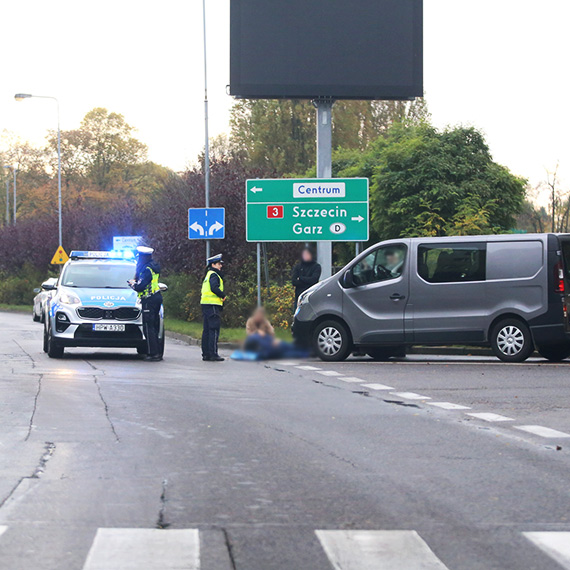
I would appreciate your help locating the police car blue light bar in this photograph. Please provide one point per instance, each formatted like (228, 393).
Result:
(115, 254)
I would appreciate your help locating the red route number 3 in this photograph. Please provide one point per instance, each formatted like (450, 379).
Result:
(275, 212)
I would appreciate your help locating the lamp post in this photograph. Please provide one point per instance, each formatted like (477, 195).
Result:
(207, 145)
(21, 97)
(14, 171)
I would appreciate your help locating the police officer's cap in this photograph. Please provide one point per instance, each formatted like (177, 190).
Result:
(144, 250)
(215, 259)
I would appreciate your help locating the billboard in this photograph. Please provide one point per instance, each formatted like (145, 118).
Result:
(341, 49)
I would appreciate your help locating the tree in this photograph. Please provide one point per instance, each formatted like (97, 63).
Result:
(430, 183)
(279, 135)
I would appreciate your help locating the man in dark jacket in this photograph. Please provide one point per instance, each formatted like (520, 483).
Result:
(306, 273)
(146, 285)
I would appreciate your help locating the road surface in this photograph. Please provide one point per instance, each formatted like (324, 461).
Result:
(111, 463)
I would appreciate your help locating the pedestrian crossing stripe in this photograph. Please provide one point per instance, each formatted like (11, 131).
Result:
(148, 548)
(375, 549)
(60, 257)
(555, 544)
(3, 529)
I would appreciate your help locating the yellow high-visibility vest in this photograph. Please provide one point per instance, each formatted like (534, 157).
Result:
(152, 287)
(208, 296)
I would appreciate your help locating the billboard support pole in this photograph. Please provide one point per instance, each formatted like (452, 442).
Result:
(324, 170)
(258, 274)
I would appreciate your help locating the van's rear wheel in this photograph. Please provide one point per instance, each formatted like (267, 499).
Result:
(511, 340)
(555, 352)
(331, 341)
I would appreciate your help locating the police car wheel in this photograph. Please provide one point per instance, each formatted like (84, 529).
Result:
(53, 350)
(511, 340)
(331, 341)
(161, 346)
(35, 317)
(45, 340)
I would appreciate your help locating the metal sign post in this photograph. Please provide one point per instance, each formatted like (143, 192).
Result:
(324, 170)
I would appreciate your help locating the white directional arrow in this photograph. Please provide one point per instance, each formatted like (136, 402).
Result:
(255, 189)
(215, 227)
(357, 219)
(197, 228)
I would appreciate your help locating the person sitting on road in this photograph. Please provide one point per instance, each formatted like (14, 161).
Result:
(261, 340)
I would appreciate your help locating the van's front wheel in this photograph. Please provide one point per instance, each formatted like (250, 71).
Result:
(511, 341)
(331, 341)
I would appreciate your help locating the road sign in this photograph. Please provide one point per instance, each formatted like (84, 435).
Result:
(60, 257)
(126, 242)
(333, 209)
(206, 223)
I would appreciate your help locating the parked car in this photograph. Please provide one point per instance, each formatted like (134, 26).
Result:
(509, 292)
(41, 298)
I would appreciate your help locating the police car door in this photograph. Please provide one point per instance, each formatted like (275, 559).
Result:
(374, 306)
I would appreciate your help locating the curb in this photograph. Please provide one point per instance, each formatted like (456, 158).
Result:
(428, 350)
(196, 342)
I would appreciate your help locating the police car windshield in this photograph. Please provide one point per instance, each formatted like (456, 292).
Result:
(98, 276)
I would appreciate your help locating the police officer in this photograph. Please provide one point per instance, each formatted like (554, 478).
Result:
(212, 302)
(145, 284)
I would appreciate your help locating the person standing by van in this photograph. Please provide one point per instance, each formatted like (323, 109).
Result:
(306, 273)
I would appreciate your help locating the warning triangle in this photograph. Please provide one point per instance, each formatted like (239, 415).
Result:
(60, 257)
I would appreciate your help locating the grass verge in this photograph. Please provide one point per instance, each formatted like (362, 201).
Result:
(15, 308)
(194, 330)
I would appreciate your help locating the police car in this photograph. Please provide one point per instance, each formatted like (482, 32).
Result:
(93, 306)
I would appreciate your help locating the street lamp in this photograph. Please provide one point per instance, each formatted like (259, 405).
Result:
(21, 97)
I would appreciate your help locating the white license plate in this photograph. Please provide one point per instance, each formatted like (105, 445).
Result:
(109, 328)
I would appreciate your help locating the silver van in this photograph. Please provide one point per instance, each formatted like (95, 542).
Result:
(506, 291)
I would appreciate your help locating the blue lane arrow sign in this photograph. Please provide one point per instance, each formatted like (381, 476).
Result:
(206, 223)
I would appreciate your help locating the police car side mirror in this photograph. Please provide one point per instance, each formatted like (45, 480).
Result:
(48, 286)
(348, 280)
(163, 287)
(37, 290)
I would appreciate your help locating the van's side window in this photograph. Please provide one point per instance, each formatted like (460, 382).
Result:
(452, 263)
(382, 264)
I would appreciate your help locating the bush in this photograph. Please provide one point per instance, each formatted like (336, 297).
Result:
(18, 288)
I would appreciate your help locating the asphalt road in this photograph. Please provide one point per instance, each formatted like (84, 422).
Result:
(111, 463)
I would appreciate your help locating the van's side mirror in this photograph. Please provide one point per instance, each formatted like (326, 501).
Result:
(163, 287)
(348, 280)
(48, 286)
(37, 290)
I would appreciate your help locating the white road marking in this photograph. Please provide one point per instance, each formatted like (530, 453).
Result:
(329, 373)
(543, 431)
(449, 406)
(378, 550)
(308, 368)
(487, 417)
(3, 529)
(284, 363)
(555, 544)
(151, 549)
(377, 387)
(351, 379)
(410, 396)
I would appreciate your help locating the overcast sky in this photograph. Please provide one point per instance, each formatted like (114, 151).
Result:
(500, 65)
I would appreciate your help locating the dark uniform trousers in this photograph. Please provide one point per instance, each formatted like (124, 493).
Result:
(151, 321)
(212, 322)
